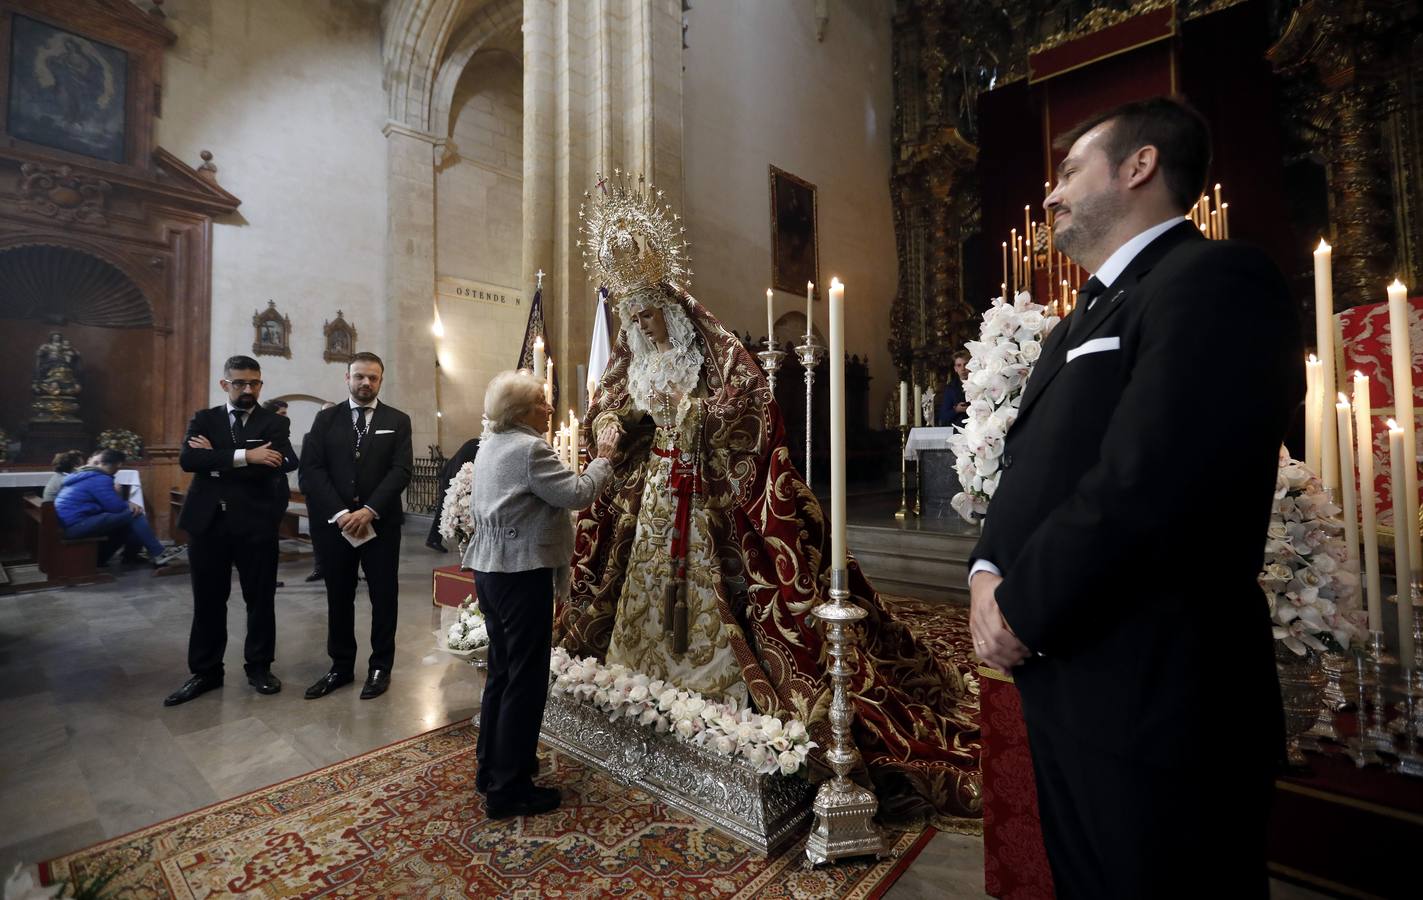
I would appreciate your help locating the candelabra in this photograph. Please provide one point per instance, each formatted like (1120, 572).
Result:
(903, 512)
(810, 354)
(1410, 761)
(1360, 747)
(843, 810)
(771, 361)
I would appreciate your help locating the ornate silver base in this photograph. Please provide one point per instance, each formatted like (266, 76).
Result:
(843, 825)
(764, 812)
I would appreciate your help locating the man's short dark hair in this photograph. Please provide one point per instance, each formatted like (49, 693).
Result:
(238, 363)
(67, 460)
(110, 457)
(1180, 135)
(962, 354)
(274, 405)
(365, 356)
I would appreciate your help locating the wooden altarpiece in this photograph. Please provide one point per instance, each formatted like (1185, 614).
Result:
(83, 186)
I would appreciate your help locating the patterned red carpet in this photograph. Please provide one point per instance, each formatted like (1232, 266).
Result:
(405, 821)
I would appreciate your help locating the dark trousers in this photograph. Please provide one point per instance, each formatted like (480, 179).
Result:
(1123, 828)
(380, 559)
(123, 529)
(211, 558)
(518, 612)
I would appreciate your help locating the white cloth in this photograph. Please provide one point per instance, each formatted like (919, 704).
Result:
(601, 349)
(126, 477)
(925, 438)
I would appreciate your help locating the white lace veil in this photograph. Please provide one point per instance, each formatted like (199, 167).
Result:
(652, 371)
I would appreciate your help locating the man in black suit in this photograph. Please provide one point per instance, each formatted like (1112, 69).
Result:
(1116, 573)
(355, 462)
(239, 454)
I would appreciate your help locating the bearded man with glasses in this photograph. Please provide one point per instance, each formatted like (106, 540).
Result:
(239, 454)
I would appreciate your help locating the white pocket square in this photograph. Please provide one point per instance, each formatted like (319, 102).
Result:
(1096, 345)
(385, 431)
(254, 440)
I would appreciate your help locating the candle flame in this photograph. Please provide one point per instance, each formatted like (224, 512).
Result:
(1343, 401)
(1313, 360)
(809, 285)
(1360, 376)
(1323, 246)
(1397, 286)
(835, 283)
(1217, 185)
(1393, 425)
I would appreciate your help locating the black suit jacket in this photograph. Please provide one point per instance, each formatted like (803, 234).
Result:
(333, 479)
(255, 496)
(1130, 535)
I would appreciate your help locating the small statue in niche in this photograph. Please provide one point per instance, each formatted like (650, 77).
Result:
(55, 387)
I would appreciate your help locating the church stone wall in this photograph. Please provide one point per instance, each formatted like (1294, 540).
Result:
(288, 97)
(759, 90)
(479, 236)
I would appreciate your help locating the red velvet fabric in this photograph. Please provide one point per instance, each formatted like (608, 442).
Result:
(1015, 865)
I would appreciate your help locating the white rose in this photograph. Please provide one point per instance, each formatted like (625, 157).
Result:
(795, 730)
(667, 698)
(1030, 350)
(695, 705)
(685, 728)
(771, 727)
(756, 755)
(724, 745)
(727, 723)
(789, 761)
(637, 693)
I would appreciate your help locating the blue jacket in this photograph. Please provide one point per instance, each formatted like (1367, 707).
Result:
(85, 493)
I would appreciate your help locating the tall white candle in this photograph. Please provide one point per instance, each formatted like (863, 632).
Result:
(903, 403)
(770, 316)
(839, 558)
(1311, 413)
(1402, 545)
(575, 438)
(1364, 432)
(809, 308)
(1324, 344)
(918, 406)
(538, 357)
(1346, 483)
(1402, 349)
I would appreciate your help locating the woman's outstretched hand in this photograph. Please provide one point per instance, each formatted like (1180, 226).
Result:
(608, 438)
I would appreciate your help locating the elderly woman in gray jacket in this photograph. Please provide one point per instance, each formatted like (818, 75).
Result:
(522, 534)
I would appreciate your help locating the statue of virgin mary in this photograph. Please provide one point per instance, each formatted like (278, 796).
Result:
(701, 561)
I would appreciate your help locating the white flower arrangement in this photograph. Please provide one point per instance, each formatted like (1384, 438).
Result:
(1008, 345)
(456, 521)
(1311, 587)
(468, 632)
(766, 742)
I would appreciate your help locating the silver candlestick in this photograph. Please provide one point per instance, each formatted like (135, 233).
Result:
(843, 810)
(1410, 761)
(810, 354)
(1360, 747)
(771, 361)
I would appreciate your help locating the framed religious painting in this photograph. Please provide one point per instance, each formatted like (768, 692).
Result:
(795, 241)
(67, 91)
(340, 339)
(272, 332)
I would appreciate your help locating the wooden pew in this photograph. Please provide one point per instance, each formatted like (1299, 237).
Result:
(62, 561)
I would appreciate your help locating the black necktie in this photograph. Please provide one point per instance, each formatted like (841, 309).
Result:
(237, 436)
(1082, 312)
(361, 425)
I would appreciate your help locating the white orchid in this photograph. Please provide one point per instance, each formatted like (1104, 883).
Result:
(1009, 344)
(1308, 576)
(769, 744)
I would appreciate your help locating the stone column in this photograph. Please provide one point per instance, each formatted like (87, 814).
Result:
(410, 278)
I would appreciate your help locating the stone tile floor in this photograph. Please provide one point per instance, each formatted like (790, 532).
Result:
(88, 752)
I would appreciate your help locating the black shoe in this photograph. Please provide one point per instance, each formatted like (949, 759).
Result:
(264, 681)
(328, 683)
(537, 800)
(316, 575)
(197, 684)
(376, 684)
(437, 546)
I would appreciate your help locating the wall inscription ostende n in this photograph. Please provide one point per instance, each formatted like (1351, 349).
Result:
(451, 288)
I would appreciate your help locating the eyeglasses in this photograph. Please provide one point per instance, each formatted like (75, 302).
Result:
(244, 385)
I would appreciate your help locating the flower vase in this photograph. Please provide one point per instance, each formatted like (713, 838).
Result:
(1302, 682)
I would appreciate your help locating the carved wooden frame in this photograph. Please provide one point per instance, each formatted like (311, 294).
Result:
(339, 326)
(280, 347)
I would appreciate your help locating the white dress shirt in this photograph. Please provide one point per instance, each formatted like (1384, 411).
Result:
(1107, 273)
(355, 406)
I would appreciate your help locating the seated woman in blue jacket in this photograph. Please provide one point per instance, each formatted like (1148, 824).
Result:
(89, 504)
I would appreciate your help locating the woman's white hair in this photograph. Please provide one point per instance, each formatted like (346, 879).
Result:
(510, 397)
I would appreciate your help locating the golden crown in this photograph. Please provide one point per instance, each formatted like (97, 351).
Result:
(630, 239)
